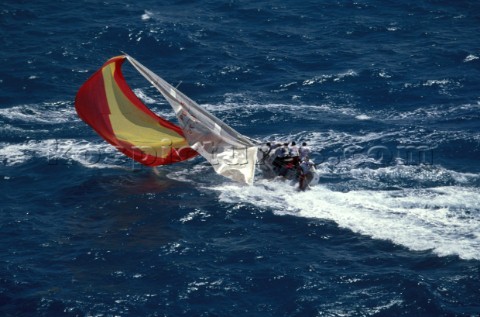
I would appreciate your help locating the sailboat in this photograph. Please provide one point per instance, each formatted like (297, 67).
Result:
(111, 108)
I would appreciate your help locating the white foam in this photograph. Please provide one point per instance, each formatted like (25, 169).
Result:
(363, 117)
(444, 86)
(63, 151)
(235, 106)
(384, 74)
(240, 108)
(147, 15)
(45, 113)
(470, 58)
(342, 139)
(330, 77)
(445, 220)
(190, 174)
(144, 97)
(432, 82)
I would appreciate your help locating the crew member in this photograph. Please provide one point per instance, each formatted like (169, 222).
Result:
(294, 150)
(304, 152)
(306, 175)
(265, 150)
(294, 154)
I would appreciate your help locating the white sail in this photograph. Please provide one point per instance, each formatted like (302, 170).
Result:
(230, 153)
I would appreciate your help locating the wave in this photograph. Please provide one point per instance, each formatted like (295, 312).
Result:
(239, 106)
(392, 129)
(330, 77)
(470, 58)
(63, 151)
(436, 113)
(44, 113)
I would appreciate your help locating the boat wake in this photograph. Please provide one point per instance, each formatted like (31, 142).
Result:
(445, 220)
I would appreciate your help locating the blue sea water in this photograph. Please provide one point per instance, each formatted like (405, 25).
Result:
(386, 93)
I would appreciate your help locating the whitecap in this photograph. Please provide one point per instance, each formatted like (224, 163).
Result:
(362, 117)
(330, 77)
(147, 15)
(45, 113)
(433, 82)
(384, 74)
(470, 58)
(64, 151)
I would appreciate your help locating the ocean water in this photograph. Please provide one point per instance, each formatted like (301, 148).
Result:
(386, 93)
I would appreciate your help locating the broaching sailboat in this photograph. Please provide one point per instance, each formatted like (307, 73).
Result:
(109, 106)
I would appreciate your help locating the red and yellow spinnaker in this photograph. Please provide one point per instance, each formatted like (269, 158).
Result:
(109, 106)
